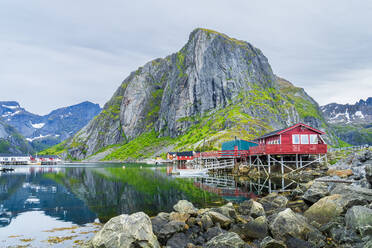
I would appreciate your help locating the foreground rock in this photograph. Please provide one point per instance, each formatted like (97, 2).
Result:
(226, 240)
(184, 206)
(288, 223)
(251, 208)
(273, 203)
(359, 218)
(126, 231)
(269, 242)
(316, 191)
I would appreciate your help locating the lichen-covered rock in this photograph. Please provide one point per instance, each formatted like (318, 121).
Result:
(252, 208)
(184, 206)
(273, 203)
(368, 168)
(289, 223)
(226, 240)
(315, 192)
(353, 193)
(176, 216)
(255, 229)
(269, 242)
(171, 228)
(159, 221)
(126, 231)
(325, 209)
(223, 220)
(206, 222)
(359, 218)
(330, 207)
(178, 240)
(226, 210)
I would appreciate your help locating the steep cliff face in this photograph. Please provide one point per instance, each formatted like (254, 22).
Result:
(352, 122)
(213, 89)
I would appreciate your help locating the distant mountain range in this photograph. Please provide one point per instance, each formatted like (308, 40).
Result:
(352, 122)
(47, 130)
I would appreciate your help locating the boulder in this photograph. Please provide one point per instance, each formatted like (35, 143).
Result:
(184, 206)
(159, 221)
(316, 191)
(273, 203)
(226, 240)
(359, 218)
(292, 242)
(269, 242)
(252, 208)
(368, 168)
(178, 240)
(340, 173)
(176, 216)
(206, 222)
(353, 192)
(212, 232)
(220, 218)
(326, 209)
(289, 223)
(368, 244)
(126, 231)
(227, 210)
(256, 229)
(341, 235)
(332, 206)
(171, 228)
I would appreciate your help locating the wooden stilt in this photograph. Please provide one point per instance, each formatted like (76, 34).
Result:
(296, 161)
(282, 165)
(268, 161)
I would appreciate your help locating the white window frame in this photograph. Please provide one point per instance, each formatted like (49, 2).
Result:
(293, 139)
(313, 138)
(307, 139)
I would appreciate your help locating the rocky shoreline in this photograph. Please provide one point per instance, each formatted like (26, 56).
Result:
(320, 213)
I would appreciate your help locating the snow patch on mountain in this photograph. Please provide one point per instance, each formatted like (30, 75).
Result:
(37, 125)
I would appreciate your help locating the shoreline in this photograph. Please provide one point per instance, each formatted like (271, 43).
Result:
(320, 212)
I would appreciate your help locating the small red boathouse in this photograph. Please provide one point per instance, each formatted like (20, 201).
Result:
(297, 139)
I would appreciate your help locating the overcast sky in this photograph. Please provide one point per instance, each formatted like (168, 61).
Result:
(59, 53)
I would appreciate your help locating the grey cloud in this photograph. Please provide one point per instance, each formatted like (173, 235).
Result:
(71, 51)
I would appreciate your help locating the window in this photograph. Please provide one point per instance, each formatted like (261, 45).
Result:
(304, 139)
(313, 139)
(295, 139)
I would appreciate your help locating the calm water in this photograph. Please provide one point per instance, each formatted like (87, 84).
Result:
(60, 206)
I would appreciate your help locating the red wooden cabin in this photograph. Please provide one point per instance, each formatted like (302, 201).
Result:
(185, 155)
(297, 139)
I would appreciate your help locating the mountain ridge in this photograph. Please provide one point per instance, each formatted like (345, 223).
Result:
(213, 89)
(352, 122)
(43, 131)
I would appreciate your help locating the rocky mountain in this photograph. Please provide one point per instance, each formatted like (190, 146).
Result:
(216, 87)
(358, 113)
(352, 122)
(50, 129)
(12, 142)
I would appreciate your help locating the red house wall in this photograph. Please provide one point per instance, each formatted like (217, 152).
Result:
(287, 136)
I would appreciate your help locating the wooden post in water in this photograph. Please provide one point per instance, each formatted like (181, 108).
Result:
(268, 161)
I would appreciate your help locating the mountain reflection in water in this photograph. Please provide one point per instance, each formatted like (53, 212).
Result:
(80, 194)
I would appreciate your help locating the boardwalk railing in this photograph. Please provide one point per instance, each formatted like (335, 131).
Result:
(331, 149)
(288, 149)
(223, 154)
